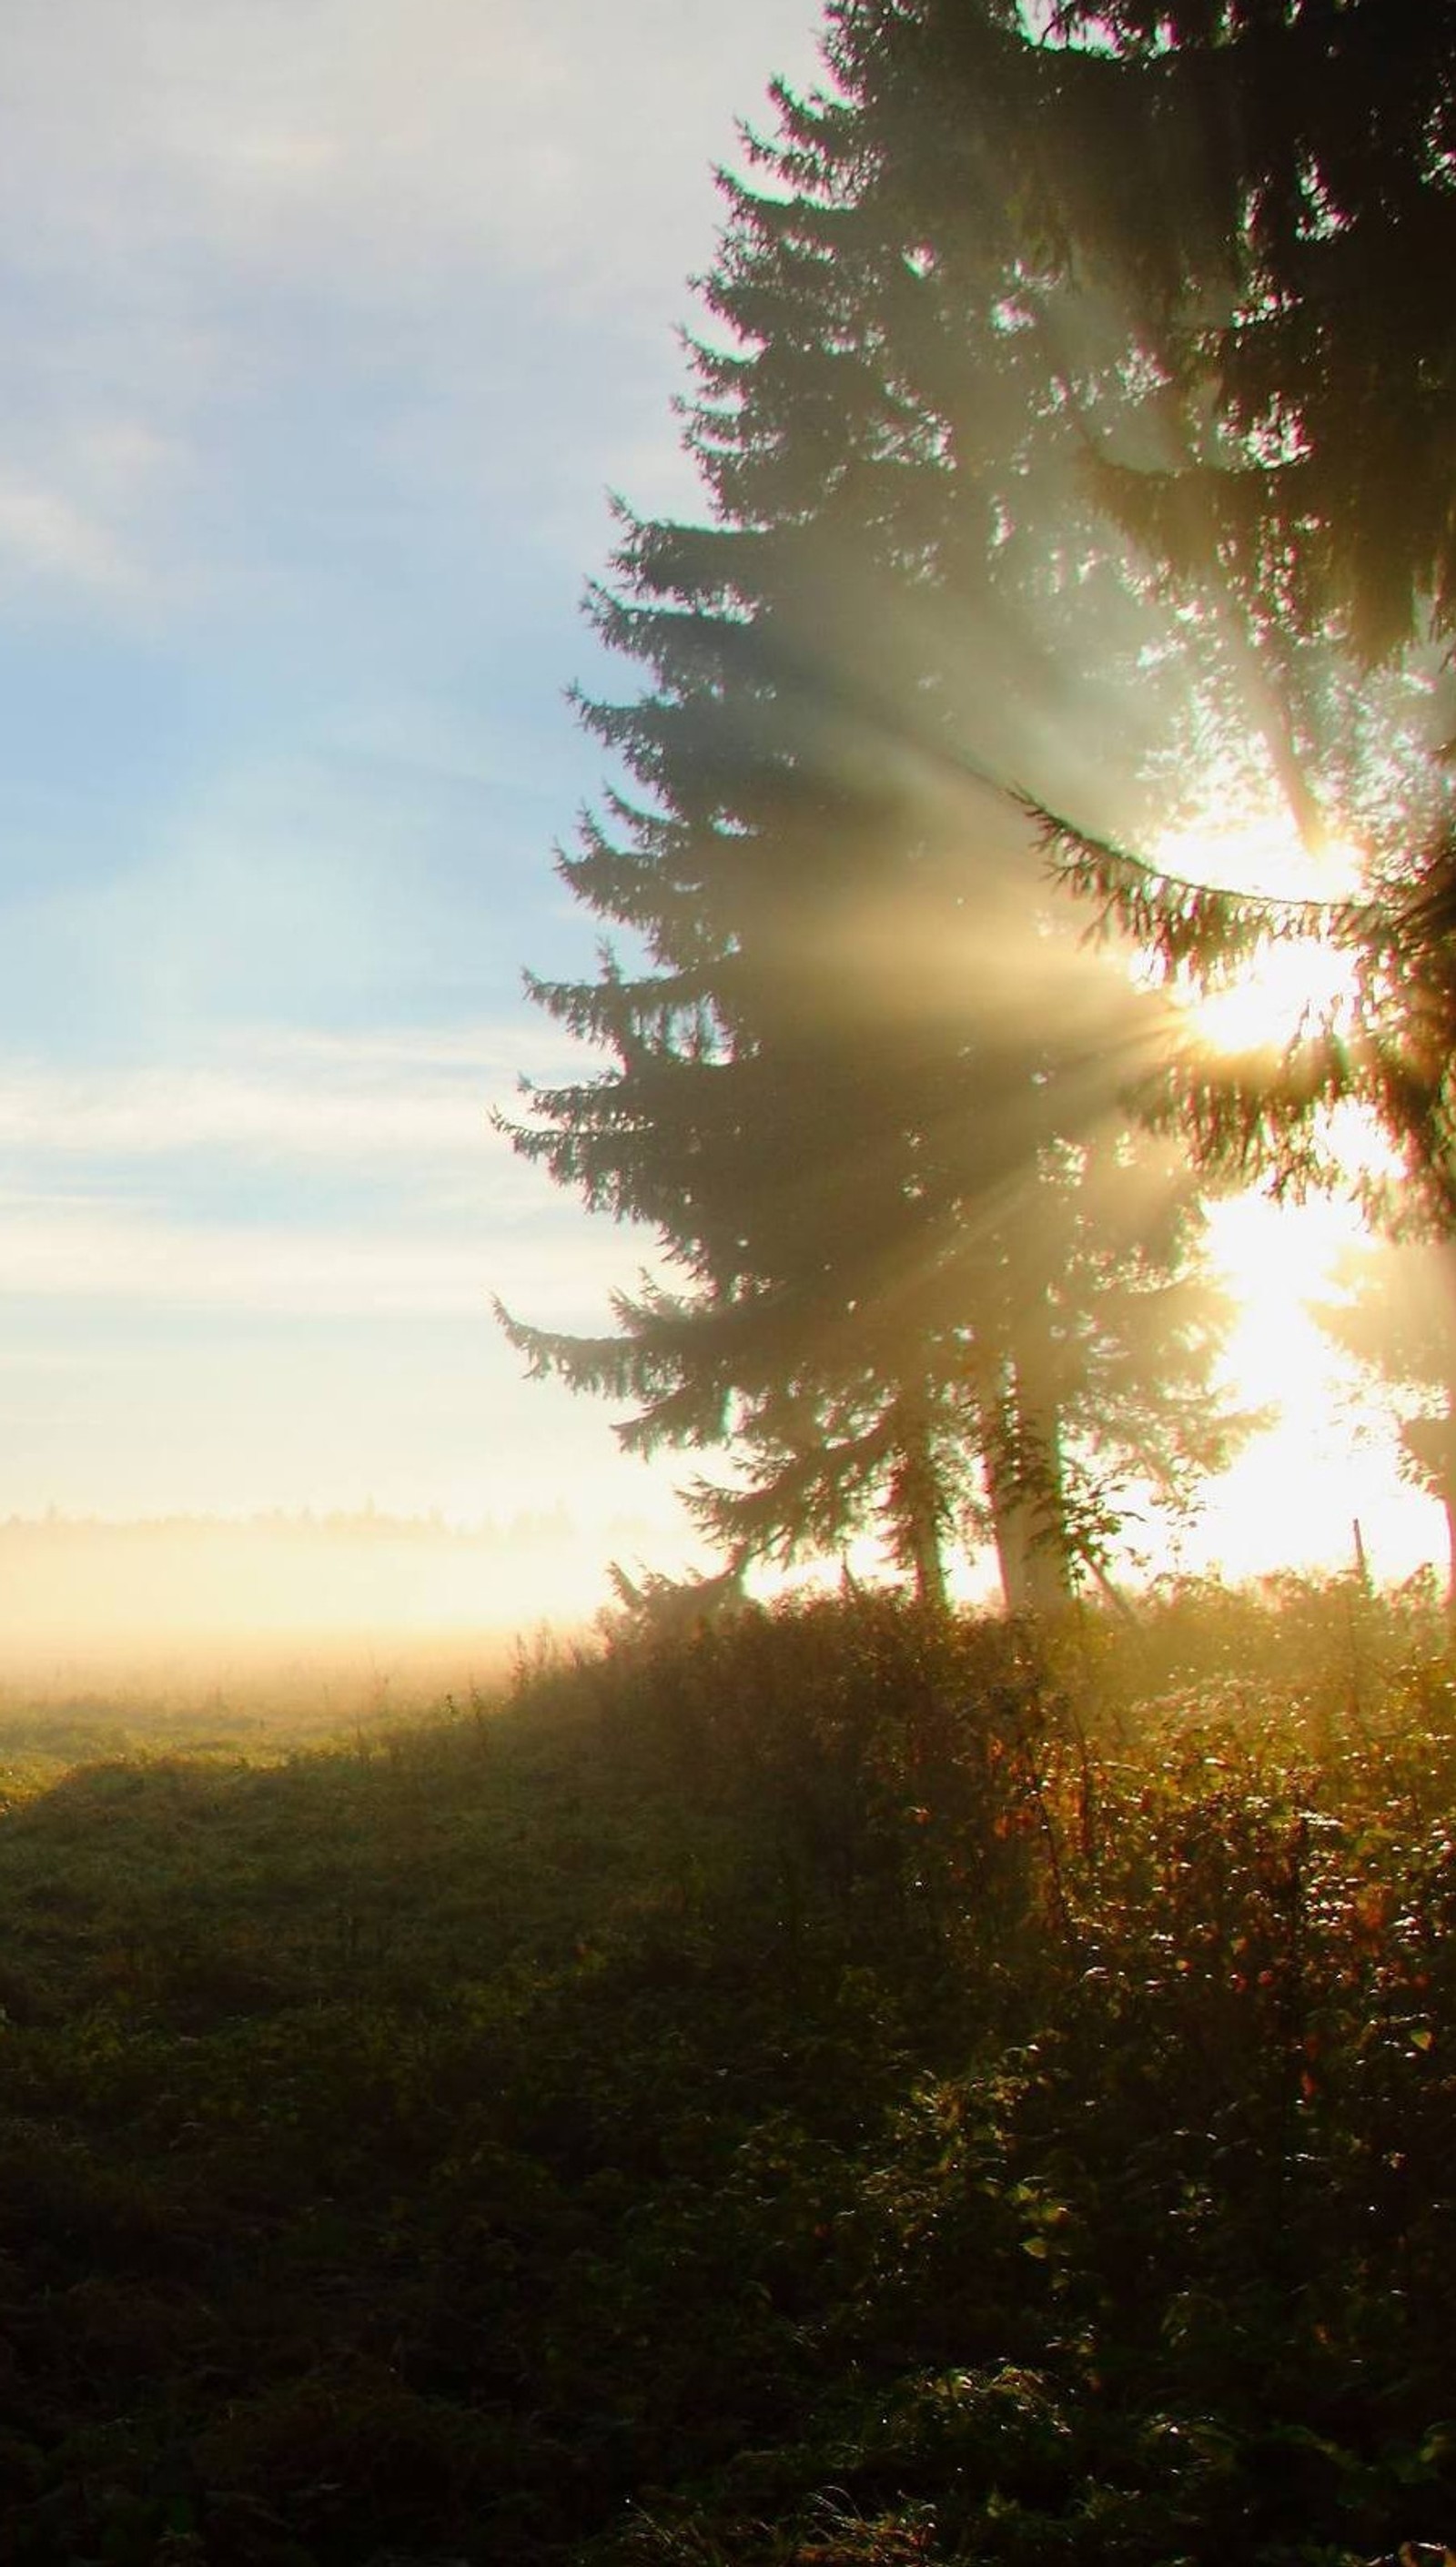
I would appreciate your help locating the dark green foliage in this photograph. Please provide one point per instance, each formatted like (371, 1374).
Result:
(1298, 496)
(1302, 158)
(840, 2087)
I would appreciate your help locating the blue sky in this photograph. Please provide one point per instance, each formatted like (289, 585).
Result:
(328, 326)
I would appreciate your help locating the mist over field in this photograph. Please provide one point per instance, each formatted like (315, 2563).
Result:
(294, 1614)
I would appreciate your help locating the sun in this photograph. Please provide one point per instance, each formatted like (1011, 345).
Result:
(1289, 990)
(1251, 849)
(1326, 1458)
(1293, 984)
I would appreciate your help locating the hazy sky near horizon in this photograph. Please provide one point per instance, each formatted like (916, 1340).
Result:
(328, 327)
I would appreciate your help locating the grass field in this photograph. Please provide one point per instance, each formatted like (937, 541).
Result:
(836, 2086)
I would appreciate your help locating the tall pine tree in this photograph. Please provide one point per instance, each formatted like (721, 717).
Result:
(864, 1084)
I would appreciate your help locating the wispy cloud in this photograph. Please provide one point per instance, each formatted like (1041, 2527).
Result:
(45, 531)
(63, 1250)
(155, 1113)
(60, 1248)
(370, 138)
(417, 206)
(410, 1202)
(404, 1095)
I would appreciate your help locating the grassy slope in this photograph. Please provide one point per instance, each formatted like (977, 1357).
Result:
(794, 2094)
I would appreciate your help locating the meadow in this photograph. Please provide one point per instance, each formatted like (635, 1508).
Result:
(837, 2087)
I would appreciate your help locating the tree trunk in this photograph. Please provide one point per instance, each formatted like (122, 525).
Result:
(915, 1502)
(929, 1566)
(1023, 1483)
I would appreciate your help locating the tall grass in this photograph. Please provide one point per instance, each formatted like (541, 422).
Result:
(841, 2083)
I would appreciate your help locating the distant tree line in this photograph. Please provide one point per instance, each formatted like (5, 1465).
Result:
(1073, 426)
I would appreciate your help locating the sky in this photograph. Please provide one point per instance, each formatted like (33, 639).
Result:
(329, 326)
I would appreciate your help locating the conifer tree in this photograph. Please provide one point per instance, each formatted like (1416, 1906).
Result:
(864, 1085)
(1291, 482)
(1301, 154)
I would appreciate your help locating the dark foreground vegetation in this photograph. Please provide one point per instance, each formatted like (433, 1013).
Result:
(843, 2086)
